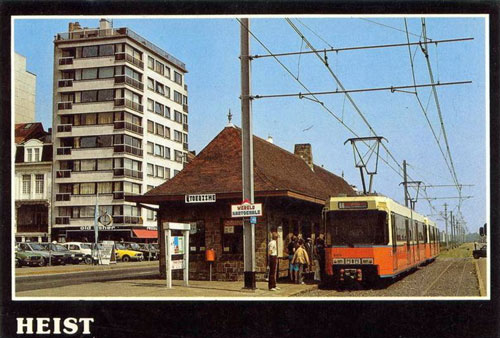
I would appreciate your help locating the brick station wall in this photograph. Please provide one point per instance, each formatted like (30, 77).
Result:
(230, 267)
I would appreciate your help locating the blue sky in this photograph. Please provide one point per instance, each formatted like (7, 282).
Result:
(210, 49)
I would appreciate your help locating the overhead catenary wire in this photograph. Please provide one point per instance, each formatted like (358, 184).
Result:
(314, 99)
(344, 49)
(391, 27)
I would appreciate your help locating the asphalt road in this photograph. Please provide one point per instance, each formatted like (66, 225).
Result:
(445, 277)
(97, 274)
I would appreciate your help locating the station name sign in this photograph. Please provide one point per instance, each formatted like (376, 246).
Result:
(246, 209)
(353, 205)
(200, 198)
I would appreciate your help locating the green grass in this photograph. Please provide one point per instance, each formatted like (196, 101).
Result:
(463, 251)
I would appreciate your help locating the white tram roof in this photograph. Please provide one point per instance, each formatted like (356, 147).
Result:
(375, 202)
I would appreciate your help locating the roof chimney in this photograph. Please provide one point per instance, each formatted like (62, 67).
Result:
(305, 152)
(104, 24)
(270, 139)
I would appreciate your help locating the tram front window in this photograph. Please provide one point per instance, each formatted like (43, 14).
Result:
(367, 227)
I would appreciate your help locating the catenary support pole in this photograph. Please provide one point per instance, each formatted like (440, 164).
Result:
(247, 154)
(446, 223)
(405, 183)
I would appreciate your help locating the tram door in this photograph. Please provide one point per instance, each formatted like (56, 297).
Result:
(408, 242)
(394, 242)
(417, 250)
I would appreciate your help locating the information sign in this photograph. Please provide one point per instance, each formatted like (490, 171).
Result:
(246, 209)
(199, 198)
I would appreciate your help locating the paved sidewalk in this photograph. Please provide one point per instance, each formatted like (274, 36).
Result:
(61, 269)
(155, 289)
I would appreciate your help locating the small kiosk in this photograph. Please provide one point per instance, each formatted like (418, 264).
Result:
(176, 245)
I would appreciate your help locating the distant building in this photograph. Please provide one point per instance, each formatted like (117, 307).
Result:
(290, 187)
(24, 91)
(120, 122)
(32, 183)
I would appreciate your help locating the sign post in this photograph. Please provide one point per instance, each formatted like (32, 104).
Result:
(175, 245)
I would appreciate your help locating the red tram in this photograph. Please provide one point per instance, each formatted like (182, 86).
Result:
(372, 237)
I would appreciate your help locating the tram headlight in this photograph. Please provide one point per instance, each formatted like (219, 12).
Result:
(338, 261)
(367, 261)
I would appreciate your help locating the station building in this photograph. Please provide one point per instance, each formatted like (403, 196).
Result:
(291, 188)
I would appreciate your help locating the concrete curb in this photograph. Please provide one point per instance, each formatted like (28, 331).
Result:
(482, 289)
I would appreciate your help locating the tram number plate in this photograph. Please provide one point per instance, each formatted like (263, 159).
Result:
(353, 261)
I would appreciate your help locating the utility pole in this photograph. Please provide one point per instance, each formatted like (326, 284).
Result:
(446, 223)
(405, 183)
(247, 154)
(451, 229)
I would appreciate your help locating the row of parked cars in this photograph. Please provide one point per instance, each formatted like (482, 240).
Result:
(42, 254)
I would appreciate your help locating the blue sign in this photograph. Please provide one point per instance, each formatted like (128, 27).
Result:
(253, 219)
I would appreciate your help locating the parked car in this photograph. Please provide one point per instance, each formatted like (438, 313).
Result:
(144, 248)
(125, 255)
(26, 258)
(55, 258)
(84, 248)
(147, 248)
(70, 257)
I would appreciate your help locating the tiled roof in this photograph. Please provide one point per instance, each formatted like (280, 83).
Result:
(217, 169)
(27, 131)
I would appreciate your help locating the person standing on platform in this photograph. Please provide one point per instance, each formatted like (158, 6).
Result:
(273, 262)
(320, 254)
(291, 251)
(301, 258)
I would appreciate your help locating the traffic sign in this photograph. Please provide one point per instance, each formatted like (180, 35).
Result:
(253, 219)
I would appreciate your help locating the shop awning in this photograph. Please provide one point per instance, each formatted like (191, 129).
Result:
(144, 233)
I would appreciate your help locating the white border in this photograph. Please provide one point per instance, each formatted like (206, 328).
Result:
(264, 16)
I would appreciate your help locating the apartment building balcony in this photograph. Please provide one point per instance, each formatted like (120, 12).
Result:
(65, 105)
(65, 83)
(64, 196)
(91, 129)
(129, 81)
(85, 107)
(64, 128)
(122, 125)
(76, 200)
(129, 59)
(69, 176)
(66, 60)
(63, 151)
(92, 153)
(125, 148)
(62, 219)
(120, 219)
(63, 173)
(83, 85)
(124, 172)
(122, 102)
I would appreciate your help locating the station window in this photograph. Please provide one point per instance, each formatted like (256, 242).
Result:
(232, 236)
(197, 237)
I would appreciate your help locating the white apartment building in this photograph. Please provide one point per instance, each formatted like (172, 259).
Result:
(120, 121)
(24, 91)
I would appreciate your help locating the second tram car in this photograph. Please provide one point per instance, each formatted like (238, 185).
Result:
(371, 237)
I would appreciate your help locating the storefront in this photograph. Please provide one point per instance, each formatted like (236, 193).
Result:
(292, 193)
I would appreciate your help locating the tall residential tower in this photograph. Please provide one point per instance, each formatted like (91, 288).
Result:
(120, 121)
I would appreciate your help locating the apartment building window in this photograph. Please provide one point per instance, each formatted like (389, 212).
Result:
(135, 53)
(184, 138)
(178, 156)
(149, 187)
(133, 96)
(84, 165)
(159, 67)
(130, 187)
(26, 184)
(89, 51)
(158, 108)
(151, 215)
(106, 72)
(177, 136)
(177, 78)
(167, 153)
(87, 119)
(151, 62)
(133, 119)
(160, 130)
(167, 72)
(177, 116)
(128, 140)
(65, 211)
(106, 50)
(97, 95)
(167, 92)
(39, 179)
(160, 171)
(159, 150)
(160, 89)
(84, 189)
(151, 83)
(105, 118)
(150, 169)
(149, 147)
(104, 164)
(86, 74)
(151, 126)
(93, 141)
(129, 210)
(167, 132)
(167, 112)
(177, 97)
(167, 173)
(105, 187)
(133, 74)
(29, 156)
(184, 99)
(176, 172)
(151, 105)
